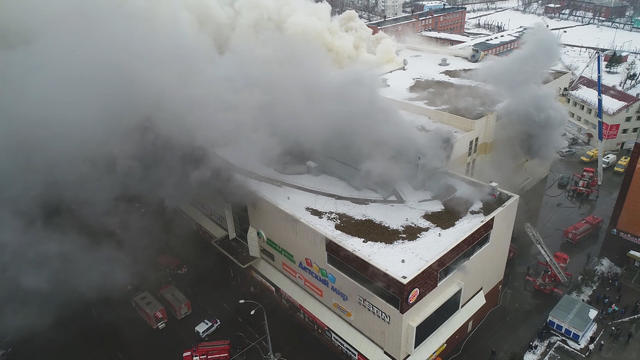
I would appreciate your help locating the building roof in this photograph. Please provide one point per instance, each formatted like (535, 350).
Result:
(574, 313)
(613, 100)
(415, 16)
(445, 36)
(401, 233)
(494, 40)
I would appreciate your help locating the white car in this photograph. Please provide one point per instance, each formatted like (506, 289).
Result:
(206, 327)
(609, 160)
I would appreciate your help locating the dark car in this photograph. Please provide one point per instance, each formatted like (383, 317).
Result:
(563, 181)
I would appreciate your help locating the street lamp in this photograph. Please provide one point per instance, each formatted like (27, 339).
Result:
(266, 325)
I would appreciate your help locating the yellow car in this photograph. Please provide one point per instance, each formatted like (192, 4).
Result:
(590, 156)
(622, 164)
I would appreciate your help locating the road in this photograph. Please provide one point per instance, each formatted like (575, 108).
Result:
(509, 328)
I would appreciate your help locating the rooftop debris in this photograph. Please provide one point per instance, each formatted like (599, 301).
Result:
(369, 230)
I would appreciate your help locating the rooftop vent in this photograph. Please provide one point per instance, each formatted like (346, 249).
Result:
(444, 62)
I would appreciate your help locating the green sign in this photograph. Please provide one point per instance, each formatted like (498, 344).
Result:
(636, 22)
(287, 255)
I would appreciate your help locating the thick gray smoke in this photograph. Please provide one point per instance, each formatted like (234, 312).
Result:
(530, 120)
(105, 102)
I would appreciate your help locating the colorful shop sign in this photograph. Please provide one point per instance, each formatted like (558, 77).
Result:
(307, 283)
(343, 310)
(413, 296)
(322, 276)
(374, 309)
(280, 250)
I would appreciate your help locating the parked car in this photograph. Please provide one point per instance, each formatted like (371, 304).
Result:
(566, 152)
(621, 166)
(609, 160)
(563, 181)
(206, 327)
(590, 155)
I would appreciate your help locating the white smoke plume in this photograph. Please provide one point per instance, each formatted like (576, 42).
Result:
(530, 120)
(107, 100)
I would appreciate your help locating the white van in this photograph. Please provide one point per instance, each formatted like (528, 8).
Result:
(609, 160)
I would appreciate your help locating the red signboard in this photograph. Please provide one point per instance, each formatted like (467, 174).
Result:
(610, 131)
(308, 284)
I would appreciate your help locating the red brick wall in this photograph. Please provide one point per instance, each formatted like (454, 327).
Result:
(450, 23)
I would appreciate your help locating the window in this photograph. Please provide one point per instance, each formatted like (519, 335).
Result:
(578, 118)
(267, 254)
(574, 103)
(462, 258)
(589, 111)
(627, 119)
(581, 107)
(571, 115)
(470, 147)
(475, 146)
(624, 131)
(634, 130)
(568, 100)
(241, 222)
(375, 287)
(638, 118)
(437, 318)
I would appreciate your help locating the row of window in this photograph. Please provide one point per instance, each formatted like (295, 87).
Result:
(579, 119)
(589, 110)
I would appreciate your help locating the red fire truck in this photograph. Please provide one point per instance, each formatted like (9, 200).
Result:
(150, 309)
(179, 305)
(582, 228)
(219, 350)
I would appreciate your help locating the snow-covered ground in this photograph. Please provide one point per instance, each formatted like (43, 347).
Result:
(581, 35)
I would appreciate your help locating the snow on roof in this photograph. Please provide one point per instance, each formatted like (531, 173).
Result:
(402, 259)
(446, 36)
(423, 64)
(613, 100)
(497, 38)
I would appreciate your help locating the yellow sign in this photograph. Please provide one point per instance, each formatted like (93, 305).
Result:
(342, 310)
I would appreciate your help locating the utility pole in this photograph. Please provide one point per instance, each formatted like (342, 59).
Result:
(270, 356)
(600, 135)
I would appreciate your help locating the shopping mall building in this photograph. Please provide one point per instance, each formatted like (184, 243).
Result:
(382, 274)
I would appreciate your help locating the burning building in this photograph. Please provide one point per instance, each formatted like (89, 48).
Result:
(399, 273)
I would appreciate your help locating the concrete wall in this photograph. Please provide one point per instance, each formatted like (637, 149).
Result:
(305, 242)
(484, 270)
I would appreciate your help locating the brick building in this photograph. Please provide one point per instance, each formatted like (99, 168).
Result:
(597, 8)
(447, 19)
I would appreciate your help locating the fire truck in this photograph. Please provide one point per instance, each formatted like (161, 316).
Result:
(179, 305)
(581, 229)
(150, 309)
(219, 350)
(583, 185)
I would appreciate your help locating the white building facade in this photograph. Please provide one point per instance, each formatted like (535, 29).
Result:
(620, 115)
(394, 291)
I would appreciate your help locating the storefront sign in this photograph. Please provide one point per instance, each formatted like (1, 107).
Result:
(610, 131)
(342, 310)
(307, 283)
(272, 244)
(374, 309)
(629, 237)
(322, 276)
(413, 295)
